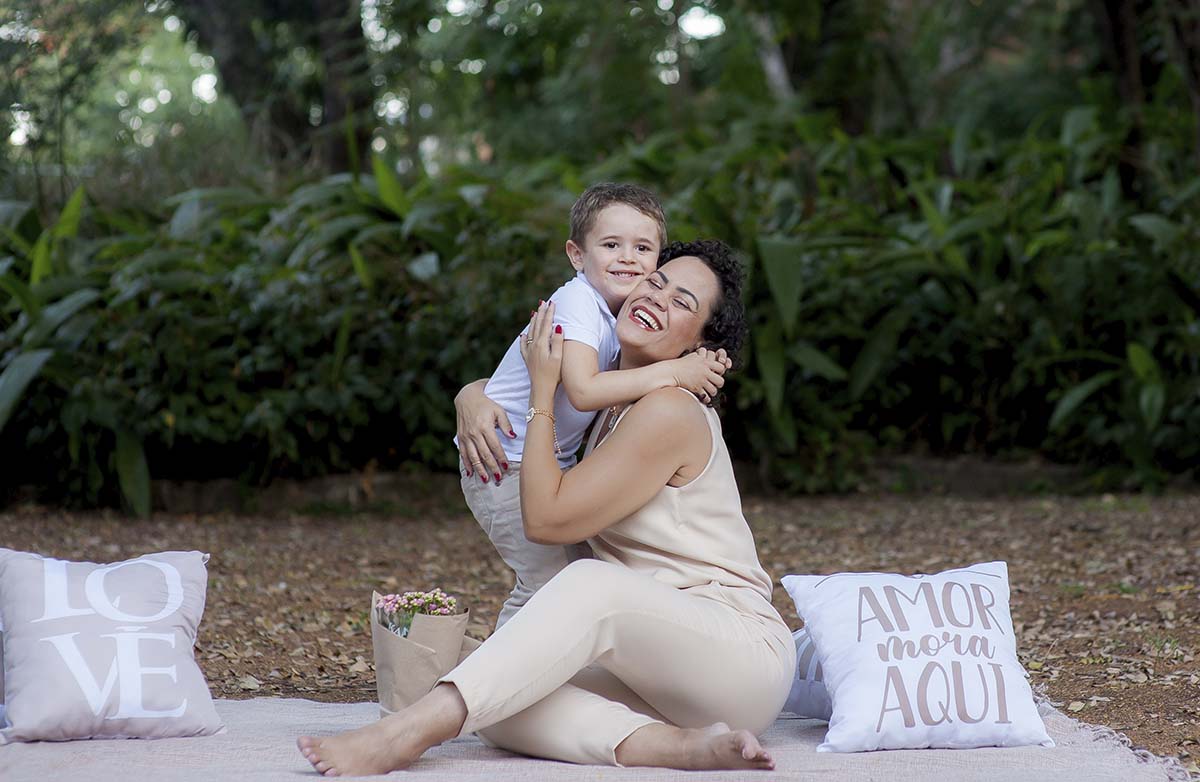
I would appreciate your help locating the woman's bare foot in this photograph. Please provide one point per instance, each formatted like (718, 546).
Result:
(720, 747)
(714, 747)
(375, 749)
(395, 742)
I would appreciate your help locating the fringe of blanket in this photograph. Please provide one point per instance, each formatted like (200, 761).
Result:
(1173, 768)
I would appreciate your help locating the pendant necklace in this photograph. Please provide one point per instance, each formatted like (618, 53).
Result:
(612, 418)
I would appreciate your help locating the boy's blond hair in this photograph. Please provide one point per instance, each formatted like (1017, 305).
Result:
(605, 194)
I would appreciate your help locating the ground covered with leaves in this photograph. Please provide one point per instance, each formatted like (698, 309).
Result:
(1106, 590)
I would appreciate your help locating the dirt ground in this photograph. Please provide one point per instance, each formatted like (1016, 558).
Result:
(1106, 590)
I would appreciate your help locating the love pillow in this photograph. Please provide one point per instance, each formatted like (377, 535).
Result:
(919, 661)
(103, 651)
(2, 718)
(808, 696)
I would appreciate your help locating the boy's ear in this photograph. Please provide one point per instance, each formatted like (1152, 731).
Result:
(575, 255)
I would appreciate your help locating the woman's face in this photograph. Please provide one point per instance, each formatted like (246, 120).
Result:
(665, 315)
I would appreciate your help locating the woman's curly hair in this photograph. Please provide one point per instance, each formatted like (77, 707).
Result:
(726, 326)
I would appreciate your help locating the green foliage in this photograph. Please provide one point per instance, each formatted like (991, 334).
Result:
(239, 336)
(1026, 307)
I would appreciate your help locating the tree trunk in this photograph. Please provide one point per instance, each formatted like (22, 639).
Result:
(247, 70)
(837, 68)
(1117, 26)
(1182, 18)
(771, 58)
(347, 111)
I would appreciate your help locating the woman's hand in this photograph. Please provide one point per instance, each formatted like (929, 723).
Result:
(542, 349)
(478, 420)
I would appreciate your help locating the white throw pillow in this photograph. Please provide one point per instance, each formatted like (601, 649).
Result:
(919, 661)
(808, 696)
(3, 719)
(103, 651)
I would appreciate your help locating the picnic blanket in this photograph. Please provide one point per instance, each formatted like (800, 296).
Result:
(259, 746)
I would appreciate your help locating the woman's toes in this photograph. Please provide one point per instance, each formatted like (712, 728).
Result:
(755, 752)
(751, 751)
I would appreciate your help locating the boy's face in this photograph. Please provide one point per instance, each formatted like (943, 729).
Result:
(619, 251)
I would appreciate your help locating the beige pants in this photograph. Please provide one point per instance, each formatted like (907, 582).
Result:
(602, 650)
(498, 511)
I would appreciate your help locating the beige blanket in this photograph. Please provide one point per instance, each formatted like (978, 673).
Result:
(259, 745)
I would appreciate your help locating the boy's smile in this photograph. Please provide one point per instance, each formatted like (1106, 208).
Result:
(619, 251)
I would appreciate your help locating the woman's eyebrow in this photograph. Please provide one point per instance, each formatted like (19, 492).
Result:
(667, 281)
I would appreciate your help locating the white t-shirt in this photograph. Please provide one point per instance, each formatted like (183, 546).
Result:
(585, 317)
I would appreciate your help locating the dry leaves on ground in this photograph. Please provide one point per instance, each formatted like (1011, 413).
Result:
(1106, 591)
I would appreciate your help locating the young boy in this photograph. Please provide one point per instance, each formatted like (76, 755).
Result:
(617, 231)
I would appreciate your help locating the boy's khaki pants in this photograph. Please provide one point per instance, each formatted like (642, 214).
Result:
(498, 511)
(602, 650)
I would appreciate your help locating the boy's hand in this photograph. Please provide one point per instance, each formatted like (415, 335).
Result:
(701, 372)
(478, 446)
(721, 355)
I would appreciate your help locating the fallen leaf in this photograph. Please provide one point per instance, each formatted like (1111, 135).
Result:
(360, 665)
(1075, 706)
(248, 682)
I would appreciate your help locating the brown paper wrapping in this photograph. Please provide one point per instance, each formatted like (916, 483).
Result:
(407, 668)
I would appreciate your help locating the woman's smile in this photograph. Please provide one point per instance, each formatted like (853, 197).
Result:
(645, 318)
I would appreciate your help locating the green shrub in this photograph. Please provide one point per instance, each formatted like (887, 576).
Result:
(944, 291)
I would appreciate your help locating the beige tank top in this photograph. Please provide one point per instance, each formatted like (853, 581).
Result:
(693, 535)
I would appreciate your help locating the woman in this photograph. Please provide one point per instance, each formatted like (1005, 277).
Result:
(663, 651)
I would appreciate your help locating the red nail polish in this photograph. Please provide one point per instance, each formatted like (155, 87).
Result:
(483, 477)
(558, 329)
(511, 433)
(467, 473)
(504, 465)
(497, 477)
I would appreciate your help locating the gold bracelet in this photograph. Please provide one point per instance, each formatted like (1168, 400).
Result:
(553, 427)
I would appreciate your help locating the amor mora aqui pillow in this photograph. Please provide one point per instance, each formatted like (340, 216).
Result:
(919, 661)
(103, 651)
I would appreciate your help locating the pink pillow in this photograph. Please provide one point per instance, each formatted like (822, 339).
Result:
(103, 651)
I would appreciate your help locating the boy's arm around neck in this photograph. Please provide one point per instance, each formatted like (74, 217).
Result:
(590, 389)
